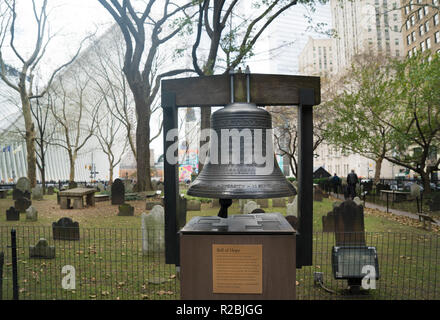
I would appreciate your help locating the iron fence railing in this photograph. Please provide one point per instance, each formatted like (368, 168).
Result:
(127, 264)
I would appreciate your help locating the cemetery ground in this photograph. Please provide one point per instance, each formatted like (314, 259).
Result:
(110, 264)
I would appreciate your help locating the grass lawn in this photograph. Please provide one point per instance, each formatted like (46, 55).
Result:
(110, 264)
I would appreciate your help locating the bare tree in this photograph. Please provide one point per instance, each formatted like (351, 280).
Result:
(76, 113)
(140, 54)
(24, 85)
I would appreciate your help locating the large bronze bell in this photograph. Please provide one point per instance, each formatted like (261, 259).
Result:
(246, 178)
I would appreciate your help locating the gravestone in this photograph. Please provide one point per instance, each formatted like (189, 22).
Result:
(250, 206)
(37, 193)
(434, 202)
(279, 203)
(290, 199)
(17, 194)
(263, 203)
(415, 190)
(292, 208)
(22, 204)
(23, 184)
(328, 222)
(150, 204)
(153, 224)
(31, 214)
(42, 250)
(128, 185)
(65, 229)
(317, 194)
(241, 203)
(118, 192)
(193, 205)
(126, 210)
(50, 190)
(101, 187)
(349, 224)
(12, 214)
(336, 204)
(73, 185)
(258, 210)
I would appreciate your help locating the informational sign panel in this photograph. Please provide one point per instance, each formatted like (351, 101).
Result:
(237, 268)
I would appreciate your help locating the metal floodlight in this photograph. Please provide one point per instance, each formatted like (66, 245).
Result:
(354, 262)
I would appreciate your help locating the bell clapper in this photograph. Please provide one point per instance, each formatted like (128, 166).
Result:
(224, 205)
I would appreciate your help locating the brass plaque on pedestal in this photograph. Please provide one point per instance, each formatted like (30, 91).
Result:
(237, 268)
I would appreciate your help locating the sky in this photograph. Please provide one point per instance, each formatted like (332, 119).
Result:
(74, 20)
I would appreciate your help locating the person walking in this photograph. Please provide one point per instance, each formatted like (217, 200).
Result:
(352, 180)
(336, 181)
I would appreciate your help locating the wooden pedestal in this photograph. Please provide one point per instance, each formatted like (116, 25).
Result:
(278, 265)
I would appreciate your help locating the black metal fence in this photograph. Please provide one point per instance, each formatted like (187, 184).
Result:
(126, 264)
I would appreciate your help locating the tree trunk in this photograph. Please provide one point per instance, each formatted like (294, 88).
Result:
(426, 182)
(378, 161)
(110, 175)
(30, 141)
(72, 167)
(143, 147)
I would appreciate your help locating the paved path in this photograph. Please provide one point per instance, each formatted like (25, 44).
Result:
(384, 209)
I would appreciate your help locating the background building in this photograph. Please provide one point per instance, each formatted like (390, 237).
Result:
(421, 29)
(317, 57)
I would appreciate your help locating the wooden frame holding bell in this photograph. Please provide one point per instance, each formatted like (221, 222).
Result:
(264, 90)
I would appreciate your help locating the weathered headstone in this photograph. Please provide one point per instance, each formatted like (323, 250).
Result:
(50, 190)
(415, 190)
(250, 206)
(328, 222)
(22, 204)
(279, 202)
(101, 187)
(263, 203)
(118, 192)
(23, 184)
(292, 208)
(128, 185)
(31, 214)
(258, 210)
(37, 193)
(241, 203)
(193, 205)
(126, 210)
(153, 223)
(12, 214)
(65, 229)
(336, 204)
(42, 250)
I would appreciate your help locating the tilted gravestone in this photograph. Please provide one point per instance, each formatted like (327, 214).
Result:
(258, 210)
(23, 184)
(42, 250)
(22, 204)
(193, 205)
(153, 223)
(31, 214)
(293, 221)
(250, 206)
(65, 229)
(37, 193)
(12, 214)
(358, 201)
(118, 192)
(279, 202)
(126, 210)
(263, 203)
(50, 190)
